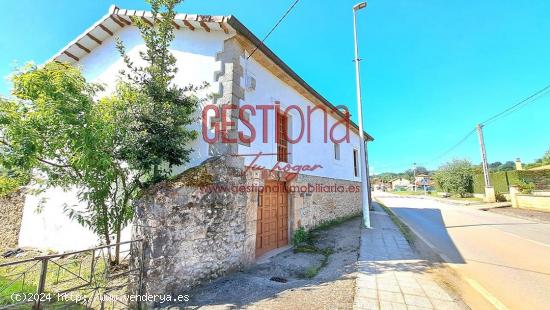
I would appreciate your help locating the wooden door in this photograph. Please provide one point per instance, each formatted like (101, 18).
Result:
(272, 224)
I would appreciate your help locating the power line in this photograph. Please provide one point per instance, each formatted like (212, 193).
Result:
(519, 105)
(454, 146)
(530, 99)
(275, 27)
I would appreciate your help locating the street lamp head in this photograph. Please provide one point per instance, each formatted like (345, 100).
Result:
(360, 6)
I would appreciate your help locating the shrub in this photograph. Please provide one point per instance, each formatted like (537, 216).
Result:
(455, 177)
(500, 197)
(525, 188)
(301, 235)
(539, 178)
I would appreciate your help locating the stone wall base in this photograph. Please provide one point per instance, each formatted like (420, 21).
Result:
(194, 227)
(325, 199)
(10, 219)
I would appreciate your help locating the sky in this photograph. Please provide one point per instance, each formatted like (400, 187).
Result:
(431, 69)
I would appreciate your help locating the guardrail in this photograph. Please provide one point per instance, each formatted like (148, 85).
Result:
(83, 279)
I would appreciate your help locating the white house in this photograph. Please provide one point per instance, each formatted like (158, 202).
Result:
(215, 49)
(400, 183)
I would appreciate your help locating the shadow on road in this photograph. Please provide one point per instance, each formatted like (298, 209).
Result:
(429, 223)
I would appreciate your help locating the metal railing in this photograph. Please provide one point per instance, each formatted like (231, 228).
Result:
(83, 279)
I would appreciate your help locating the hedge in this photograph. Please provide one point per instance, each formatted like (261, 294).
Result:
(541, 178)
(501, 181)
(479, 184)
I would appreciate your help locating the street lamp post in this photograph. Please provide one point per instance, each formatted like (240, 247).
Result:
(365, 188)
(414, 176)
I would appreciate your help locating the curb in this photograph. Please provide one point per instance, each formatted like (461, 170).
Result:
(424, 246)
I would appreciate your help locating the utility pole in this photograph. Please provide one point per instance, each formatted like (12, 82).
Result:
(489, 190)
(365, 188)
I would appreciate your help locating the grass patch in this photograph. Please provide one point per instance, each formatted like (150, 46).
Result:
(10, 287)
(306, 248)
(304, 240)
(404, 229)
(331, 223)
(410, 193)
(74, 271)
(465, 198)
(312, 271)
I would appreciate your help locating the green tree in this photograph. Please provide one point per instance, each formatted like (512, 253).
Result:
(108, 149)
(507, 166)
(158, 111)
(55, 128)
(494, 166)
(455, 177)
(10, 179)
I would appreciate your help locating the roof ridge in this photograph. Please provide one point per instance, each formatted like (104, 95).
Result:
(95, 35)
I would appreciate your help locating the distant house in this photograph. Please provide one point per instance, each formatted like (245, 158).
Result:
(379, 184)
(423, 180)
(400, 183)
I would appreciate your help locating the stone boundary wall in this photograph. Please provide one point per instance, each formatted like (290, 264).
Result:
(315, 207)
(541, 193)
(191, 235)
(11, 215)
(541, 203)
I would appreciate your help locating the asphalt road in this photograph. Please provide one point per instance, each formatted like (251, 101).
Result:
(506, 259)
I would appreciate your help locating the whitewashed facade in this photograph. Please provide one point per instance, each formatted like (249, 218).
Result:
(198, 43)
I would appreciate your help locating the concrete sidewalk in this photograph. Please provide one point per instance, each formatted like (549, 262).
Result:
(391, 275)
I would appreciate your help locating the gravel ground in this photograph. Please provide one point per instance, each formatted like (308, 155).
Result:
(332, 288)
(537, 216)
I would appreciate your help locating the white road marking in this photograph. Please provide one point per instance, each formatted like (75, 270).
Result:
(486, 294)
(532, 241)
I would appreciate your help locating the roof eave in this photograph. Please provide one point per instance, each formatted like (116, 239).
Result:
(241, 28)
